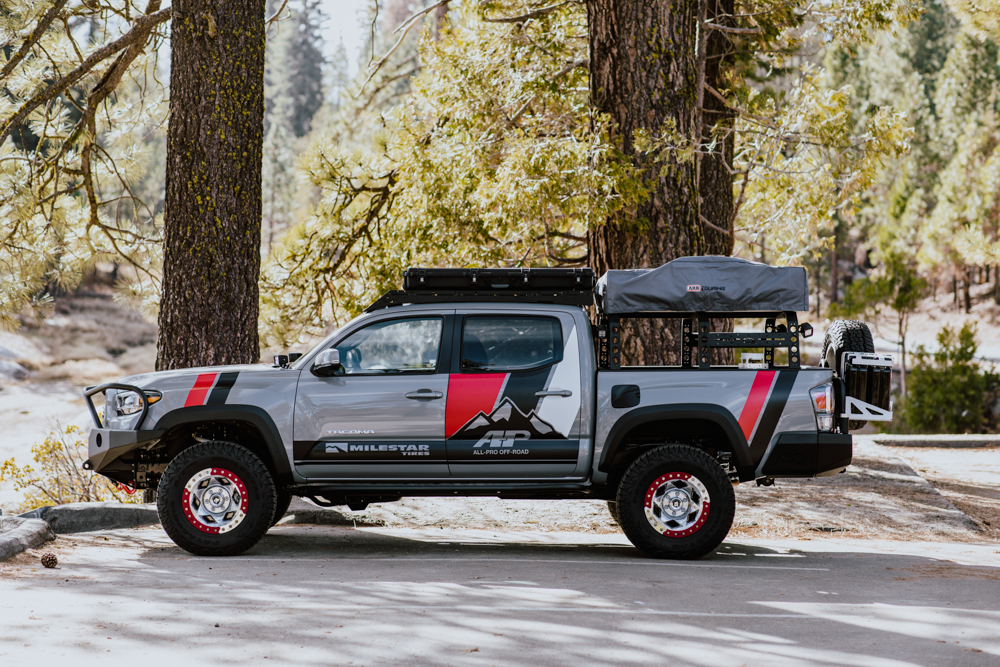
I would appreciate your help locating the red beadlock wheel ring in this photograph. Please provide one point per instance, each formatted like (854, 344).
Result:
(215, 500)
(677, 504)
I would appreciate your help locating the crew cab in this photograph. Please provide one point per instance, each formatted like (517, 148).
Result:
(495, 382)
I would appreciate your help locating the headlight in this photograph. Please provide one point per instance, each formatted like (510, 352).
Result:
(822, 402)
(129, 402)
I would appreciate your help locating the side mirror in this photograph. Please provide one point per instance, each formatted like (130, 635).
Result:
(326, 363)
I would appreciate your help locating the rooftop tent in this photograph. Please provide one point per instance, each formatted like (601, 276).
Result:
(704, 284)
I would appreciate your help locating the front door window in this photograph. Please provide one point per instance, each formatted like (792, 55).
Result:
(396, 346)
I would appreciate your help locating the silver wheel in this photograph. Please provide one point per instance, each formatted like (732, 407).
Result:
(215, 500)
(677, 504)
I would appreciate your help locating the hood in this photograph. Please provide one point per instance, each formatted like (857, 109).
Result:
(149, 380)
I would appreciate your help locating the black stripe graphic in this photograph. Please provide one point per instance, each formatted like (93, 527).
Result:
(221, 390)
(772, 413)
(522, 385)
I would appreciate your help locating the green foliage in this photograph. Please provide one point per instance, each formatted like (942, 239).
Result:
(980, 17)
(59, 476)
(896, 286)
(72, 172)
(947, 388)
(495, 155)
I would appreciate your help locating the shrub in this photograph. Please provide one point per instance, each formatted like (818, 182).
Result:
(59, 477)
(947, 391)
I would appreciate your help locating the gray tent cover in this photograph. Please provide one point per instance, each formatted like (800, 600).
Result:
(706, 284)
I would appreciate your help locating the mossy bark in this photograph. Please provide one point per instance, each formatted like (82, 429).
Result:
(646, 72)
(208, 312)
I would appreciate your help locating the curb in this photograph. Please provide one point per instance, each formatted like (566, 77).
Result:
(17, 534)
(87, 517)
(942, 441)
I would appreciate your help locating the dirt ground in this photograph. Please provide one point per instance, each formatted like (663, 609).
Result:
(969, 478)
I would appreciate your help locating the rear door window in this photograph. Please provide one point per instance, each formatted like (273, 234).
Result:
(502, 344)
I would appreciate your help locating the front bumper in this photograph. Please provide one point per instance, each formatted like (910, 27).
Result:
(107, 445)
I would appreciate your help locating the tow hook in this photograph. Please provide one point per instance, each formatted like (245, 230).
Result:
(765, 481)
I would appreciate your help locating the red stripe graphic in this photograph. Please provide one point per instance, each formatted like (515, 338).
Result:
(755, 401)
(468, 395)
(199, 392)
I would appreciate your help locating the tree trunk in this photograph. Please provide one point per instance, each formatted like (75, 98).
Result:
(209, 308)
(965, 290)
(645, 72)
(834, 271)
(902, 346)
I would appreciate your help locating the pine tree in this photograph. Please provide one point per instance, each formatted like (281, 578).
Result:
(295, 74)
(278, 184)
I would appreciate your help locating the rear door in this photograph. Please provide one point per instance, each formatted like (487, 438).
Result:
(383, 414)
(514, 396)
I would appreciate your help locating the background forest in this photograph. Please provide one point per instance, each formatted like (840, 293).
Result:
(859, 139)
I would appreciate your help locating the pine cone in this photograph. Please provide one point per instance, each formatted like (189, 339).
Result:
(50, 560)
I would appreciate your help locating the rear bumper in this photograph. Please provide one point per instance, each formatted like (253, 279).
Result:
(808, 454)
(107, 445)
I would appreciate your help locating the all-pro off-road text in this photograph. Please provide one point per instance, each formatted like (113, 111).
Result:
(494, 382)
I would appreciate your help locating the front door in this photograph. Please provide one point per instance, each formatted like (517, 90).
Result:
(514, 397)
(383, 414)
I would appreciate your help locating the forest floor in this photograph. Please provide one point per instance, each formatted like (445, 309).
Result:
(888, 493)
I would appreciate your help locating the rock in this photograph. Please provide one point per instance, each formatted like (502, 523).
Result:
(12, 371)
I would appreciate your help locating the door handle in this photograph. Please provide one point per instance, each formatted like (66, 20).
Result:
(565, 393)
(424, 393)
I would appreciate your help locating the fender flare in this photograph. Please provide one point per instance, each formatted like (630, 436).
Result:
(678, 411)
(251, 414)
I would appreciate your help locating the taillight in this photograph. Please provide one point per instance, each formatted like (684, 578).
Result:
(823, 405)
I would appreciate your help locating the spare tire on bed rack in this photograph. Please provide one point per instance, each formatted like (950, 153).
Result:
(846, 336)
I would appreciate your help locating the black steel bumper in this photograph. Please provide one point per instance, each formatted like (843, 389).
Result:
(809, 454)
(107, 445)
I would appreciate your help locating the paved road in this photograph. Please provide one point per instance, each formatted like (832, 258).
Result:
(310, 595)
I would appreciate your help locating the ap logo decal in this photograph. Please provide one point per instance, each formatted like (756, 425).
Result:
(502, 438)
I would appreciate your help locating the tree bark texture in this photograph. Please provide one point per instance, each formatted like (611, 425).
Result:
(646, 70)
(209, 308)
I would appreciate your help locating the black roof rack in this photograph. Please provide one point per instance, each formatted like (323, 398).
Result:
(572, 287)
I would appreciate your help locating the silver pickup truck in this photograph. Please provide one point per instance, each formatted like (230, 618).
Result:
(495, 382)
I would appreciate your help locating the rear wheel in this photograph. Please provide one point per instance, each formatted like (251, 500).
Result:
(216, 499)
(846, 336)
(676, 501)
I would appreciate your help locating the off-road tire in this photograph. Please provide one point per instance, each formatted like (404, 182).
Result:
(613, 511)
(640, 482)
(260, 495)
(284, 499)
(846, 336)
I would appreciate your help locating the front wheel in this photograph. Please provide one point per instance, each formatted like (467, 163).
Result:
(216, 499)
(676, 501)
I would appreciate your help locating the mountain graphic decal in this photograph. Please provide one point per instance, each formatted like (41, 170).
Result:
(507, 416)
